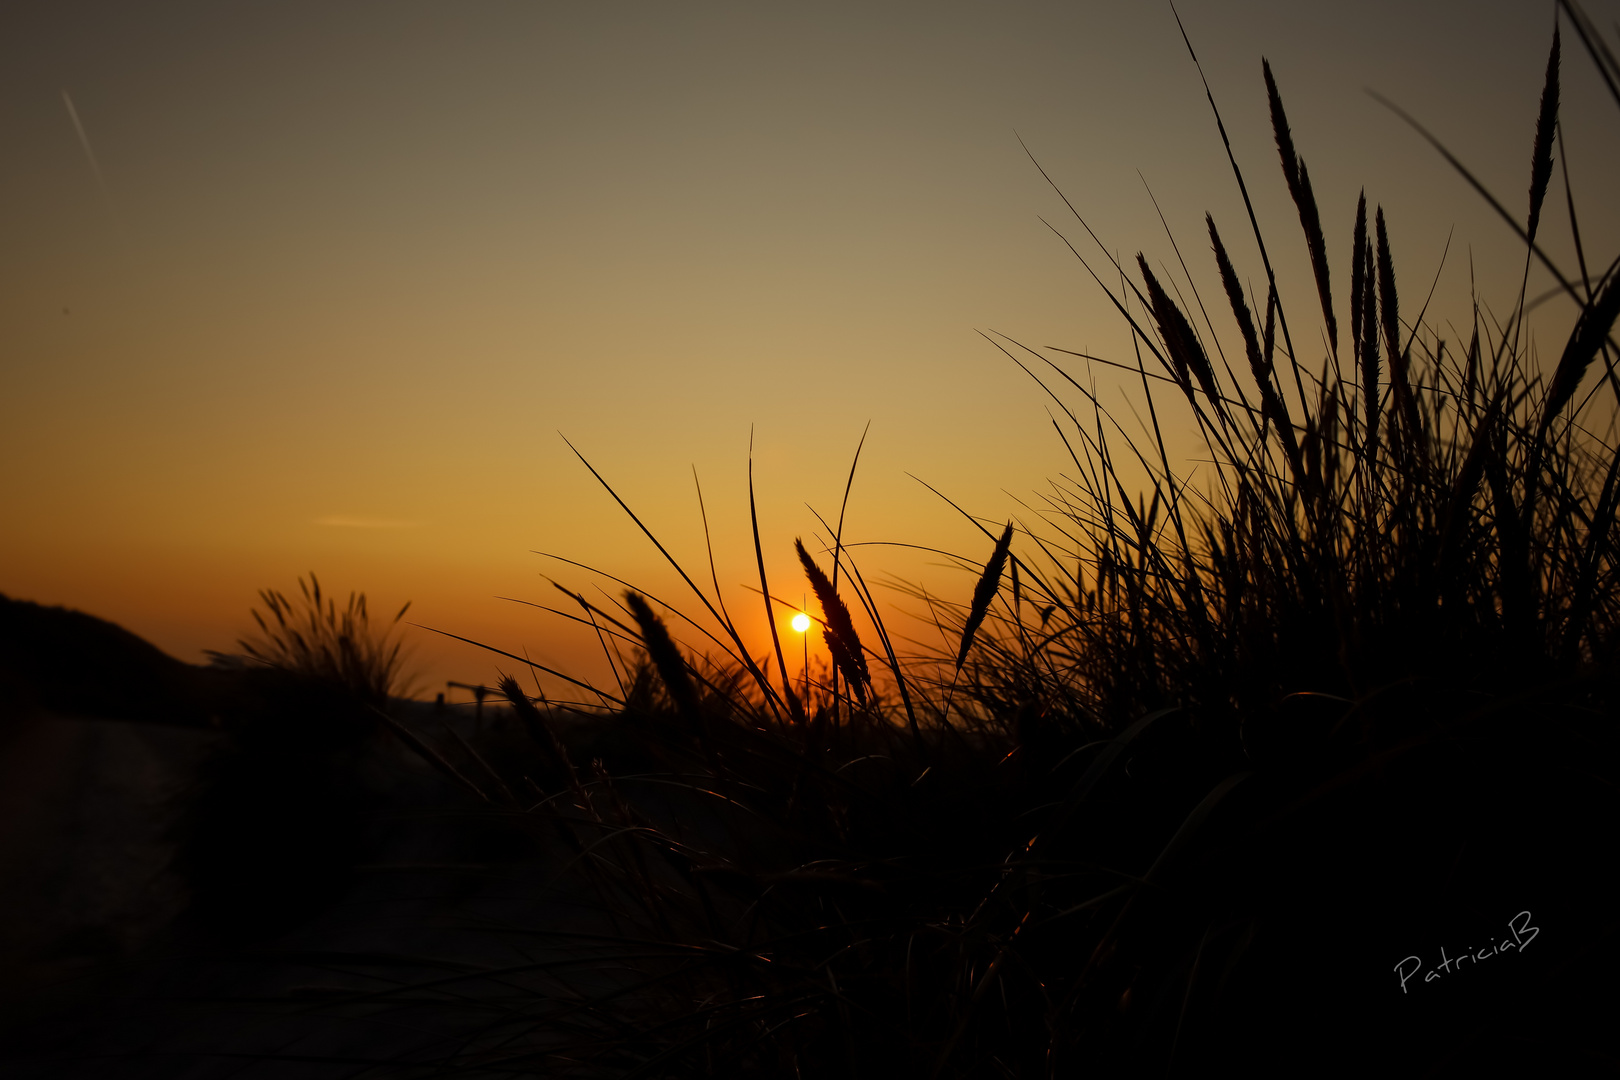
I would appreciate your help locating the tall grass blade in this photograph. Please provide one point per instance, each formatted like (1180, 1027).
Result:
(838, 533)
(428, 754)
(1389, 307)
(1606, 64)
(1574, 218)
(795, 710)
(530, 663)
(708, 547)
(849, 484)
(742, 650)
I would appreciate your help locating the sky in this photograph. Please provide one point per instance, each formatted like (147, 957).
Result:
(311, 287)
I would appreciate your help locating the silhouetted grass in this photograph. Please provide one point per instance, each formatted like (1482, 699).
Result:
(274, 822)
(311, 638)
(1203, 765)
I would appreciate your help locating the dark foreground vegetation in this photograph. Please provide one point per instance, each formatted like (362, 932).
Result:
(1307, 769)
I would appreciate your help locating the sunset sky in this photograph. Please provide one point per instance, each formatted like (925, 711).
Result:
(324, 286)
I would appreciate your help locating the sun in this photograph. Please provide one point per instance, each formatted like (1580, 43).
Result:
(801, 622)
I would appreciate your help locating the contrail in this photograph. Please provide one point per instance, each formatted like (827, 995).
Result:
(84, 141)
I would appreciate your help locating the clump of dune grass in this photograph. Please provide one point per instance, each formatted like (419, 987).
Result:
(1420, 506)
(273, 823)
(312, 638)
(1194, 760)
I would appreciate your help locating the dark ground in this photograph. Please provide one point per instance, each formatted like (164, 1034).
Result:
(180, 900)
(189, 892)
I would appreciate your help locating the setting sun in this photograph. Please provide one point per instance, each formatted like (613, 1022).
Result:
(801, 622)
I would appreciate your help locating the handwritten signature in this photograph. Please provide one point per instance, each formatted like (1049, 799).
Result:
(1519, 926)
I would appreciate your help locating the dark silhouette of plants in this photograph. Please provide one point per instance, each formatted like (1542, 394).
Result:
(1196, 759)
(312, 638)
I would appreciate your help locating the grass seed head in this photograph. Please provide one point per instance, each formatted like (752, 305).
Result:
(984, 592)
(1180, 340)
(1299, 187)
(1541, 153)
(842, 641)
(664, 653)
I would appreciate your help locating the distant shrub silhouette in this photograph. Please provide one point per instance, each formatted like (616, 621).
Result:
(312, 638)
(271, 831)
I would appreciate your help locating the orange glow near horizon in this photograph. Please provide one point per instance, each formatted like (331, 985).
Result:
(324, 288)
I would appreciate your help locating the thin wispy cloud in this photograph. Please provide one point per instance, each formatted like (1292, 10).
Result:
(89, 152)
(345, 521)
